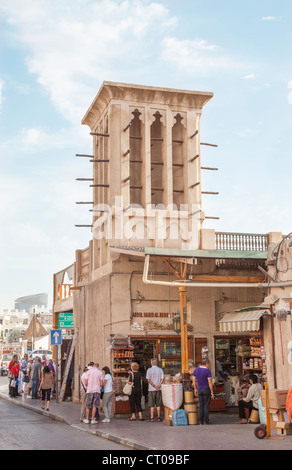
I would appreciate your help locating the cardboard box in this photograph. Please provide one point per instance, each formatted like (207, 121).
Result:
(284, 428)
(277, 399)
(278, 416)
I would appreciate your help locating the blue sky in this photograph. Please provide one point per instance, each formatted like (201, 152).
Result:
(55, 56)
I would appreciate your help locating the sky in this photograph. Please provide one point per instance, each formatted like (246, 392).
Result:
(55, 55)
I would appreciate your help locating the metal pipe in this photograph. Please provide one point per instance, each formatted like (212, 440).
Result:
(192, 284)
(277, 284)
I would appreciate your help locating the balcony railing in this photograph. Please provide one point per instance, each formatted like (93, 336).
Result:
(241, 241)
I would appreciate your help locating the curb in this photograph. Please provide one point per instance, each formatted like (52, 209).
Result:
(105, 435)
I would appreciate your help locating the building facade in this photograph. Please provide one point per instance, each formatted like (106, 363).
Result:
(148, 241)
(25, 303)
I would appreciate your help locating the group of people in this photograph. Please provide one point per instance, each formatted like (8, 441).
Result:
(35, 378)
(203, 388)
(97, 390)
(155, 378)
(96, 384)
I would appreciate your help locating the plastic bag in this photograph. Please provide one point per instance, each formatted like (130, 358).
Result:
(262, 412)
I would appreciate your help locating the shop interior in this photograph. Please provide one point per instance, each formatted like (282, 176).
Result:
(239, 357)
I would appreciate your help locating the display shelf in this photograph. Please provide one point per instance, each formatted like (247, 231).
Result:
(122, 358)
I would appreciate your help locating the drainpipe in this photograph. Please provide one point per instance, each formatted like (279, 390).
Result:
(277, 284)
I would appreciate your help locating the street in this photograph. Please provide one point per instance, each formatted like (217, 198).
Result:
(22, 429)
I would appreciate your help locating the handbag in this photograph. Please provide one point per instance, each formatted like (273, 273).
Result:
(128, 388)
(101, 392)
(25, 379)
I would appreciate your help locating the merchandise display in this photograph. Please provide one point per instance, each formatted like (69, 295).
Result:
(239, 358)
(123, 352)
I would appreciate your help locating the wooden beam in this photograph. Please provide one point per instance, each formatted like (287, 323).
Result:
(215, 278)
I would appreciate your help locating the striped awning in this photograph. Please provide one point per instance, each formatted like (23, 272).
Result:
(241, 322)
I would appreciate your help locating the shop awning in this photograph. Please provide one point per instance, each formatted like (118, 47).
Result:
(241, 322)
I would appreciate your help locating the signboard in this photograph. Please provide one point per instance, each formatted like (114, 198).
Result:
(56, 337)
(29, 348)
(66, 320)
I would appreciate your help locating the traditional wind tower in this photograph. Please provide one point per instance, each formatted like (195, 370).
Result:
(146, 152)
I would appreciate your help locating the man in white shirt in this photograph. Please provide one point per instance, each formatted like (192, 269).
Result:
(155, 377)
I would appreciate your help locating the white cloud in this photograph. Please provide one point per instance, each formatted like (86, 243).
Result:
(250, 77)
(271, 18)
(73, 46)
(195, 55)
(37, 139)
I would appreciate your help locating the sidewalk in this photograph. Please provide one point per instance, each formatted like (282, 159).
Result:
(222, 434)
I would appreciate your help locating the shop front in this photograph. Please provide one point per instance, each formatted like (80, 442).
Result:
(240, 354)
(166, 349)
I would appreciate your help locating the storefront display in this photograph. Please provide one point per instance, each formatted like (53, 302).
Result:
(167, 350)
(123, 352)
(170, 353)
(240, 357)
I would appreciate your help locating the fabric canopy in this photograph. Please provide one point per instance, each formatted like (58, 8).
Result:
(245, 321)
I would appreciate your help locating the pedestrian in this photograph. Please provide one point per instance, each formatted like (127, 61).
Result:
(27, 386)
(46, 385)
(250, 402)
(203, 387)
(22, 373)
(52, 369)
(93, 382)
(83, 389)
(155, 377)
(135, 378)
(219, 370)
(45, 360)
(14, 378)
(9, 374)
(96, 416)
(108, 392)
(35, 377)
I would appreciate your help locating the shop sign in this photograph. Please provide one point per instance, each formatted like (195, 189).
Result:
(153, 314)
(66, 320)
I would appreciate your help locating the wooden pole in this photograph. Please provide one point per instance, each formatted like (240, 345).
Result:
(184, 328)
(184, 331)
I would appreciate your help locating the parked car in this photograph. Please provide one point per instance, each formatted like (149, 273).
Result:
(42, 352)
(4, 363)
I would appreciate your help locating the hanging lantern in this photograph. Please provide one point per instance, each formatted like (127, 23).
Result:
(176, 324)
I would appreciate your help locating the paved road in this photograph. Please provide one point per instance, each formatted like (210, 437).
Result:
(22, 429)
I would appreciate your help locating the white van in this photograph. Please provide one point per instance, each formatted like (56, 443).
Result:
(42, 352)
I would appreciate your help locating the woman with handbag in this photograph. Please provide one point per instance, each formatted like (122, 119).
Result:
(135, 378)
(9, 373)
